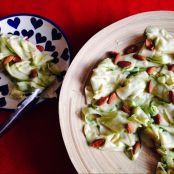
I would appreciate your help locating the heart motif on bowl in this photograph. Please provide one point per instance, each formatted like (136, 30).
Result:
(36, 23)
(14, 22)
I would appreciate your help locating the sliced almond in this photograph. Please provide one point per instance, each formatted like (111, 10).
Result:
(151, 70)
(33, 73)
(112, 98)
(7, 60)
(149, 86)
(102, 100)
(149, 44)
(130, 128)
(98, 143)
(136, 147)
(171, 67)
(124, 64)
(130, 49)
(126, 108)
(157, 119)
(171, 96)
(40, 48)
(117, 58)
(139, 57)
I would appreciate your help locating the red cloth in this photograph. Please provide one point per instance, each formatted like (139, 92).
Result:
(34, 145)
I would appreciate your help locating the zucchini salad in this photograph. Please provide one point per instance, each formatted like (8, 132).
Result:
(27, 66)
(130, 100)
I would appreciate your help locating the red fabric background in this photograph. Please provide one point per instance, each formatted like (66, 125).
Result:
(34, 145)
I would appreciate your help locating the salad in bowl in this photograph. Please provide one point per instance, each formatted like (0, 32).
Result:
(27, 66)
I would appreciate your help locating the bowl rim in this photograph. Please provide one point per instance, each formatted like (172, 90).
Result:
(46, 19)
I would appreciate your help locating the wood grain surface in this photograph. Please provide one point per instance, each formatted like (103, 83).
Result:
(114, 37)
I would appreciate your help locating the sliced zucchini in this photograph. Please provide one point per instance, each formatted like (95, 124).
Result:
(15, 73)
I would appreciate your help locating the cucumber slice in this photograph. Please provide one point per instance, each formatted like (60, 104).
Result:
(40, 59)
(24, 86)
(14, 43)
(134, 86)
(35, 85)
(38, 82)
(54, 68)
(15, 73)
(164, 41)
(16, 93)
(24, 67)
(4, 49)
(47, 80)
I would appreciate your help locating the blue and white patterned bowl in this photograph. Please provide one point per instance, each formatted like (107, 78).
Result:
(38, 30)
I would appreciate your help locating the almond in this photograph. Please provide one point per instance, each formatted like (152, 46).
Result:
(13, 58)
(130, 49)
(171, 96)
(139, 57)
(157, 119)
(16, 59)
(136, 147)
(126, 108)
(149, 44)
(8, 59)
(98, 143)
(40, 48)
(151, 69)
(149, 86)
(117, 58)
(103, 100)
(33, 73)
(130, 128)
(171, 67)
(112, 54)
(124, 64)
(112, 98)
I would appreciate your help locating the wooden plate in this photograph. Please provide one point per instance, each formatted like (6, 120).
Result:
(116, 36)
